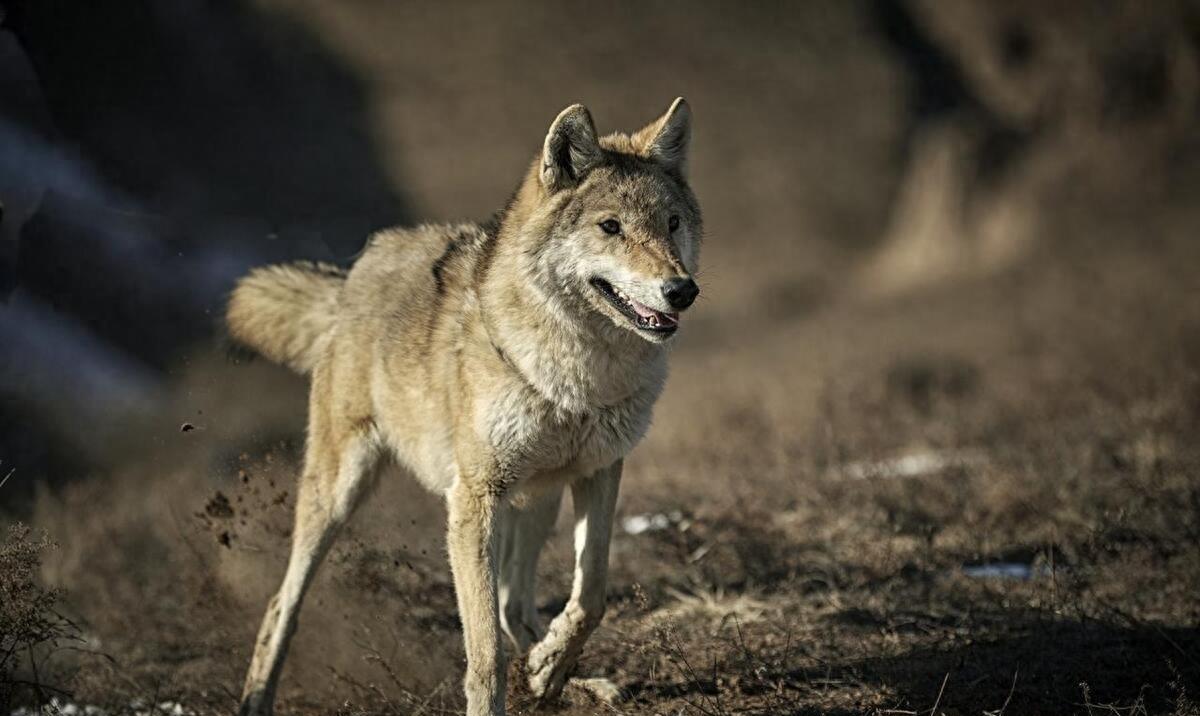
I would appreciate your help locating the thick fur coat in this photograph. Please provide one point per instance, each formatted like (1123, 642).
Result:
(499, 364)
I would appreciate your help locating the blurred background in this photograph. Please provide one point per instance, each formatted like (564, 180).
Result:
(932, 422)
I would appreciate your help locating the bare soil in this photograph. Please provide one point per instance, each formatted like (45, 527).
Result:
(827, 483)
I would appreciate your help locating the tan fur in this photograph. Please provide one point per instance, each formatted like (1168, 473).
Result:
(489, 363)
(284, 312)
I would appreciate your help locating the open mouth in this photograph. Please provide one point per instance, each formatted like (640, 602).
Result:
(641, 315)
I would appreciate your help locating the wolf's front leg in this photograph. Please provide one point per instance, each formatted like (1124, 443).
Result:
(522, 533)
(471, 541)
(551, 659)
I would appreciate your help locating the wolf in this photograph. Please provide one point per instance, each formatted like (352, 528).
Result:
(500, 364)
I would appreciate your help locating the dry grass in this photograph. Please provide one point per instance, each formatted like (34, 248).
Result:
(32, 630)
(791, 581)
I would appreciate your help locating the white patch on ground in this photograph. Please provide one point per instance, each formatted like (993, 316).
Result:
(63, 707)
(655, 522)
(914, 464)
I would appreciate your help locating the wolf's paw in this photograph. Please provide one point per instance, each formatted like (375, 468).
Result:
(547, 669)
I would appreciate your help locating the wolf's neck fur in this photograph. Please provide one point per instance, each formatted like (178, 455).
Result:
(574, 357)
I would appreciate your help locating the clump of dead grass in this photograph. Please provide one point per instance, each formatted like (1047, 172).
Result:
(31, 628)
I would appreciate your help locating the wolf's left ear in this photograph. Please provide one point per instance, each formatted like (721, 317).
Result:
(571, 148)
(665, 140)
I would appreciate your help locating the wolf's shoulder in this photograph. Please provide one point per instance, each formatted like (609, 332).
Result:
(414, 267)
(405, 242)
(429, 249)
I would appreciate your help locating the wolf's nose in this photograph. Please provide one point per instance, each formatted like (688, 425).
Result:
(680, 292)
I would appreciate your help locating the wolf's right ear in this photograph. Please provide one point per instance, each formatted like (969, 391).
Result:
(571, 149)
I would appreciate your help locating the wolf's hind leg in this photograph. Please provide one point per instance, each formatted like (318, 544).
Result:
(522, 534)
(329, 489)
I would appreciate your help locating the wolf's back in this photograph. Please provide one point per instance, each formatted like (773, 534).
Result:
(286, 311)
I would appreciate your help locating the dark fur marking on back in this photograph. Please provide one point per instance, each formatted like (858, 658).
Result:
(454, 265)
(462, 243)
(321, 268)
(491, 235)
(439, 266)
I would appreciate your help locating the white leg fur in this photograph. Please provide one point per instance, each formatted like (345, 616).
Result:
(552, 659)
(523, 532)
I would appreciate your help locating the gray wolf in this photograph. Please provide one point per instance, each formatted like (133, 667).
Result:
(499, 364)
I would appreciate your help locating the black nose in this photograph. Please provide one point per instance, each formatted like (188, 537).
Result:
(680, 292)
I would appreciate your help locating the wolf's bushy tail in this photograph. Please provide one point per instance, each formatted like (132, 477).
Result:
(286, 311)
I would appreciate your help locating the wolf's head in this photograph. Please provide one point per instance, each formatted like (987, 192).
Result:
(610, 224)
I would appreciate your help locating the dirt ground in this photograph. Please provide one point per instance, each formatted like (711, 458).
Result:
(828, 480)
(978, 495)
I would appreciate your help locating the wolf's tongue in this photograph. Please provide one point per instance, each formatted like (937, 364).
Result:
(646, 312)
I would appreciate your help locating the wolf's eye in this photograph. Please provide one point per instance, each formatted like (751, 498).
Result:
(611, 226)
(673, 223)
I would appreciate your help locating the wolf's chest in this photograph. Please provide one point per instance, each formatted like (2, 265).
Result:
(602, 438)
(544, 445)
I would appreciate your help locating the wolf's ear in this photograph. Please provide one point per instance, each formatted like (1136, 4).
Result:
(571, 148)
(665, 140)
